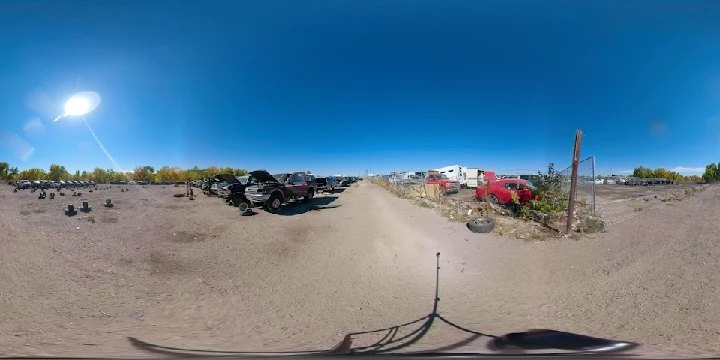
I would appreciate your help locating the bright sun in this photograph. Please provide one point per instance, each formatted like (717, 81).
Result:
(77, 106)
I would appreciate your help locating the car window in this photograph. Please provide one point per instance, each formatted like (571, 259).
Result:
(296, 178)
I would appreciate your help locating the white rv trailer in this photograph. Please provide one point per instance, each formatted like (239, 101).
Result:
(452, 172)
(471, 177)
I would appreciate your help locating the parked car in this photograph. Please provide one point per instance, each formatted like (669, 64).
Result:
(447, 185)
(499, 191)
(345, 181)
(325, 184)
(274, 190)
(234, 192)
(23, 184)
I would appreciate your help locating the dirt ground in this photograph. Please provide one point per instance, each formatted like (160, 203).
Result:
(194, 274)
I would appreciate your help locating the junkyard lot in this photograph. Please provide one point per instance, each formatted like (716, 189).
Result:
(195, 274)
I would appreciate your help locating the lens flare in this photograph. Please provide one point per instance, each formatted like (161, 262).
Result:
(77, 106)
(80, 104)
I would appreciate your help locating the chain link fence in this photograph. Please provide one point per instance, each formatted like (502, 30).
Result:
(585, 191)
(453, 204)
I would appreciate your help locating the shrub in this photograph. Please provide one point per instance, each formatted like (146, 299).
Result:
(550, 189)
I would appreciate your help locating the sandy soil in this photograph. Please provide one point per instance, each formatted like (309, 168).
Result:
(194, 274)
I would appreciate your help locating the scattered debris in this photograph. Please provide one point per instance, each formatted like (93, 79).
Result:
(108, 203)
(179, 195)
(85, 207)
(70, 210)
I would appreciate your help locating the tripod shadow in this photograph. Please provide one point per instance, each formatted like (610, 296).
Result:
(391, 340)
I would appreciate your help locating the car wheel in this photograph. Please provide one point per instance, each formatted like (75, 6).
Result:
(274, 202)
(481, 225)
(235, 200)
(493, 199)
(310, 195)
(243, 206)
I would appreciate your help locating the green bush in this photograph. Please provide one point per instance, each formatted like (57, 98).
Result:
(550, 189)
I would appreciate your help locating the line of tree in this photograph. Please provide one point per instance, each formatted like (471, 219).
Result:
(712, 173)
(643, 172)
(141, 173)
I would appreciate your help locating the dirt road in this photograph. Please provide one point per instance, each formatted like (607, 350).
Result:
(194, 274)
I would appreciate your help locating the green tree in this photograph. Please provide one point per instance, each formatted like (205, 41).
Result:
(642, 172)
(143, 173)
(4, 169)
(240, 172)
(76, 177)
(13, 173)
(58, 172)
(33, 174)
(711, 173)
(211, 171)
(99, 176)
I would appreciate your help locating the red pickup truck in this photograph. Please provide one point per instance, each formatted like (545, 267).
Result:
(447, 185)
(273, 190)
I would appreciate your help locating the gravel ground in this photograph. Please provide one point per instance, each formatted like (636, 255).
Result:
(194, 274)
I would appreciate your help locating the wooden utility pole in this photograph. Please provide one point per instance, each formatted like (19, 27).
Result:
(573, 181)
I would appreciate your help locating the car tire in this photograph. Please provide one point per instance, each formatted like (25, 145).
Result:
(274, 202)
(493, 199)
(243, 206)
(235, 201)
(310, 195)
(481, 225)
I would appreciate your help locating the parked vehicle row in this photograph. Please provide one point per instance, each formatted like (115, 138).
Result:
(45, 184)
(261, 189)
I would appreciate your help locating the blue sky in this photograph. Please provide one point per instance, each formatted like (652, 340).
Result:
(343, 86)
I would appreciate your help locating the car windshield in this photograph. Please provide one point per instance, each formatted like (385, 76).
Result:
(281, 178)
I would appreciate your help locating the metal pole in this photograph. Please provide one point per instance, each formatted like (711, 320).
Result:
(437, 284)
(573, 181)
(593, 185)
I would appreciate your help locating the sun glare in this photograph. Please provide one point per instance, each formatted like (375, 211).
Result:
(77, 106)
